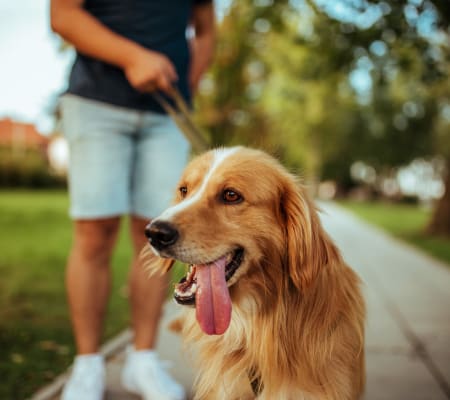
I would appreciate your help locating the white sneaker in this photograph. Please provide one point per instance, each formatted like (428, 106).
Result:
(87, 380)
(145, 374)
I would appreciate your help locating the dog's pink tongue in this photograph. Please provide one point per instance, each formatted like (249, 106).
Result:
(213, 304)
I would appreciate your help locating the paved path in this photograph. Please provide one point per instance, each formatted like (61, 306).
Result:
(408, 299)
(408, 329)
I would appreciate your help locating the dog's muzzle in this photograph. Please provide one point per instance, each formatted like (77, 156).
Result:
(161, 234)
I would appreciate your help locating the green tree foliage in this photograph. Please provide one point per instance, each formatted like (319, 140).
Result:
(324, 84)
(229, 98)
(27, 169)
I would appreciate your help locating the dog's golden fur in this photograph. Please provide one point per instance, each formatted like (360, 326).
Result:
(297, 327)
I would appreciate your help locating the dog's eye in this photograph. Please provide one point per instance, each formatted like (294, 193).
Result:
(230, 196)
(183, 191)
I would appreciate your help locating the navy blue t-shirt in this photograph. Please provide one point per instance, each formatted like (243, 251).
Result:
(159, 25)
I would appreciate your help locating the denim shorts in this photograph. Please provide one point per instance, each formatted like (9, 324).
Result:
(122, 161)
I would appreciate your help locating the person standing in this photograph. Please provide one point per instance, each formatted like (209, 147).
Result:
(126, 155)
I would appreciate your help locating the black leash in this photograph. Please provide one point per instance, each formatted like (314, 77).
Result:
(181, 115)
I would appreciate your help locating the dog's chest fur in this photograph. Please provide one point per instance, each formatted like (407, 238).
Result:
(226, 362)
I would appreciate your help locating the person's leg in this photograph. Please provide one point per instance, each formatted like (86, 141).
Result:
(143, 373)
(99, 174)
(100, 146)
(87, 284)
(88, 279)
(147, 293)
(161, 154)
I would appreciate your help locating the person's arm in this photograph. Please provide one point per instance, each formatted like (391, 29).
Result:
(202, 44)
(146, 70)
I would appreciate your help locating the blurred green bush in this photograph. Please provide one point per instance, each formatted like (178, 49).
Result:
(27, 168)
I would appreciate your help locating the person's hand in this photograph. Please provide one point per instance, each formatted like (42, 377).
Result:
(149, 70)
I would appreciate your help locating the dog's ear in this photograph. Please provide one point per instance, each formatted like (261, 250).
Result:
(154, 264)
(308, 246)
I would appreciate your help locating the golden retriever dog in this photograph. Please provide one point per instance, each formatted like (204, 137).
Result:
(275, 314)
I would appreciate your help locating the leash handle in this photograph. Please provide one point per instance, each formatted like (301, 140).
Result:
(181, 115)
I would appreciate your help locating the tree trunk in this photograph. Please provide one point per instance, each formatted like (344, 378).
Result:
(440, 221)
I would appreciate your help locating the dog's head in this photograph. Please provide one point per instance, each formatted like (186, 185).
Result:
(240, 220)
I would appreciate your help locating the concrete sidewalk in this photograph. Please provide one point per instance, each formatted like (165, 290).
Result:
(408, 301)
(408, 328)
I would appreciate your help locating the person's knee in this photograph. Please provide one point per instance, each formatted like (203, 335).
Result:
(94, 240)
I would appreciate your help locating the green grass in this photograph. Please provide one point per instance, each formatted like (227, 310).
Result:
(407, 222)
(36, 342)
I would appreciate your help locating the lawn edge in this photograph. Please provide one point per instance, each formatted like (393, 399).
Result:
(397, 239)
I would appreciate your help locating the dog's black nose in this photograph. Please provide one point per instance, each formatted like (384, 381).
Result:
(161, 234)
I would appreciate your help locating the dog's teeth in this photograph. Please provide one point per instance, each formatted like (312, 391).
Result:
(188, 292)
(183, 294)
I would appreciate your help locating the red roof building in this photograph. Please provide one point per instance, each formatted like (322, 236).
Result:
(21, 135)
